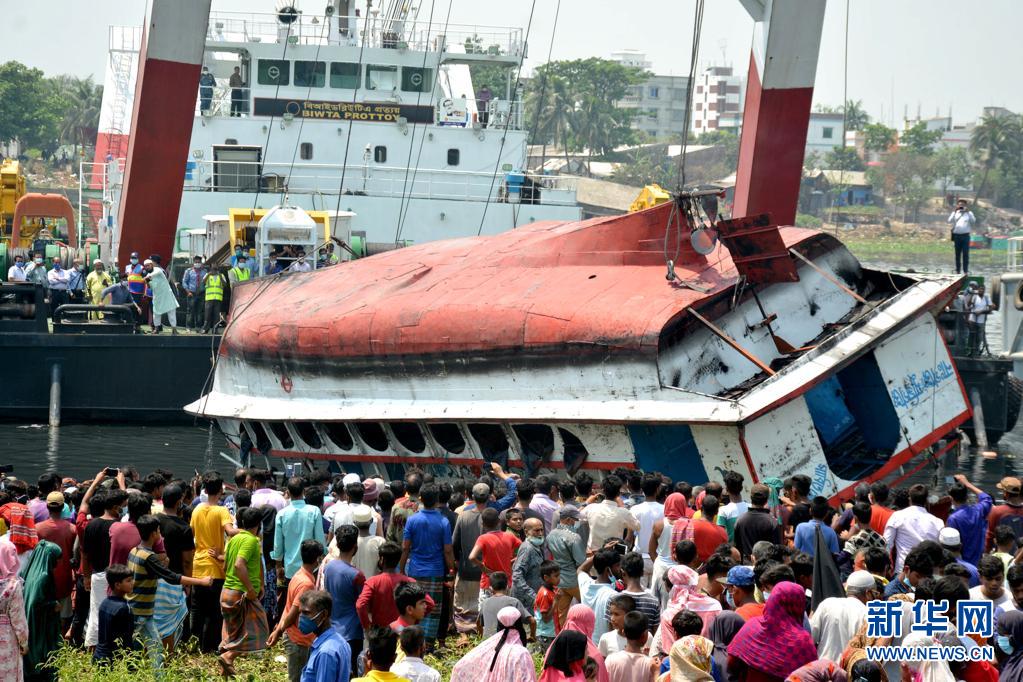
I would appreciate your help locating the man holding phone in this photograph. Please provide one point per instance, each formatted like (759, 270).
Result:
(962, 221)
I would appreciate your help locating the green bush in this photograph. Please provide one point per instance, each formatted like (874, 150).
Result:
(807, 220)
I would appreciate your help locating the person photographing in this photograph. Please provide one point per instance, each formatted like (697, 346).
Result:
(962, 221)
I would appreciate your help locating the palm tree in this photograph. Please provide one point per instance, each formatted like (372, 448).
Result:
(987, 145)
(552, 115)
(856, 116)
(81, 100)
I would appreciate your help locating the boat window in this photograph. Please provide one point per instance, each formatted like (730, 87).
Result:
(282, 434)
(381, 77)
(416, 79)
(339, 435)
(575, 452)
(305, 151)
(273, 72)
(307, 432)
(454, 156)
(260, 439)
(380, 154)
(537, 444)
(492, 441)
(409, 435)
(344, 75)
(448, 437)
(310, 74)
(372, 434)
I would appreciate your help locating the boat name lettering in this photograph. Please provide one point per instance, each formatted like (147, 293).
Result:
(913, 387)
(382, 112)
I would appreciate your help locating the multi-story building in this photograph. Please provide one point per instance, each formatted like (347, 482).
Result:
(717, 100)
(824, 132)
(659, 102)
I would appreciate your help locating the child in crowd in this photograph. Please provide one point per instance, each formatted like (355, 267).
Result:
(615, 639)
(412, 667)
(116, 625)
(411, 600)
(547, 622)
(486, 624)
(381, 649)
(631, 664)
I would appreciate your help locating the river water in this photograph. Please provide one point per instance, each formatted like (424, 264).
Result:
(80, 450)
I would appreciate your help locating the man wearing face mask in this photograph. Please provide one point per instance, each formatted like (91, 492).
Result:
(330, 657)
(526, 579)
(569, 552)
(301, 264)
(240, 271)
(213, 294)
(76, 282)
(58, 280)
(136, 276)
(296, 642)
(237, 253)
(96, 282)
(191, 282)
(273, 266)
(16, 273)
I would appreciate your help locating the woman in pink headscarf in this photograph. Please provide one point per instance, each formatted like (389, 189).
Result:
(581, 619)
(770, 647)
(685, 594)
(13, 624)
(501, 657)
(675, 508)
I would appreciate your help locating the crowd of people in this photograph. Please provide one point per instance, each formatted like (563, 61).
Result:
(629, 578)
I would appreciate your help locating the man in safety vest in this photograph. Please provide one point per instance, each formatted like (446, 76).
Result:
(136, 276)
(240, 271)
(213, 286)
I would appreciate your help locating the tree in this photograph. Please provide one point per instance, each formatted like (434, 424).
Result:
(995, 142)
(919, 140)
(907, 179)
(951, 166)
(856, 117)
(29, 108)
(843, 158)
(878, 137)
(81, 101)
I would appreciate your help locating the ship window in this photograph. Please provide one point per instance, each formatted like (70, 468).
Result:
(281, 432)
(310, 74)
(454, 156)
(416, 79)
(381, 77)
(339, 435)
(492, 441)
(448, 437)
(537, 444)
(372, 434)
(307, 432)
(258, 433)
(273, 72)
(409, 435)
(344, 75)
(380, 154)
(305, 150)
(575, 452)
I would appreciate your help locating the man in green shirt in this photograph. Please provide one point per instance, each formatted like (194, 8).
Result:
(245, 624)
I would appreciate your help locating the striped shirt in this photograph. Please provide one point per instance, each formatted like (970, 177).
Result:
(147, 569)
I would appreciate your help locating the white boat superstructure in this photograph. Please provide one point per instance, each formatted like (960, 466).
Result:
(361, 107)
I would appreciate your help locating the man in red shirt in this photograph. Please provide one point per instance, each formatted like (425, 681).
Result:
(494, 551)
(297, 644)
(707, 535)
(375, 605)
(879, 513)
(60, 532)
(1012, 489)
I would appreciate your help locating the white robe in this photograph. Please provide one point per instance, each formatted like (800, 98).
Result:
(834, 623)
(163, 296)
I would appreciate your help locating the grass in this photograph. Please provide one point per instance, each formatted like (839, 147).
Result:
(900, 248)
(187, 665)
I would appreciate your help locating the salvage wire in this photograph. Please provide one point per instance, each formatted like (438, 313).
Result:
(507, 123)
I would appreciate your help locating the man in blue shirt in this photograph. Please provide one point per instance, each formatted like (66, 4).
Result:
(806, 533)
(344, 583)
(191, 281)
(950, 540)
(330, 657)
(294, 524)
(969, 519)
(426, 553)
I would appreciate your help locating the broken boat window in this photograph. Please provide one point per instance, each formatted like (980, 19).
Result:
(282, 434)
(492, 441)
(307, 432)
(448, 437)
(575, 452)
(409, 435)
(339, 435)
(259, 437)
(372, 434)
(537, 444)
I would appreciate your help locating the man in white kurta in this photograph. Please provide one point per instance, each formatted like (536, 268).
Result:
(164, 302)
(837, 619)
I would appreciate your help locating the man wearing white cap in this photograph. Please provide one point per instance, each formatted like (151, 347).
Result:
(950, 540)
(96, 282)
(837, 619)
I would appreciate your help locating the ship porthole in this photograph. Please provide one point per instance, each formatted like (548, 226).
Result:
(280, 431)
(409, 435)
(307, 432)
(372, 434)
(449, 437)
(339, 435)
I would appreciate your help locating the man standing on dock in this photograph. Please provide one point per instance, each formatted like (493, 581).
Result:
(192, 282)
(962, 221)
(58, 280)
(213, 295)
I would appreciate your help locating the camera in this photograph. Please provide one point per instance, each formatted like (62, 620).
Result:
(110, 471)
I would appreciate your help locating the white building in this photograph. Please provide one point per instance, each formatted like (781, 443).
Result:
(660, 101)
(823, 133)
(717, 100)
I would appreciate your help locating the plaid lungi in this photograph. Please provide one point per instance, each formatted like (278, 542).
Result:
(434, 586)
(245, 626)
(169, 609)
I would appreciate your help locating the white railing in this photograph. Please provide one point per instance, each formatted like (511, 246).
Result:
(124, 38)
(374, 32)
(220, 103)
(379, 181)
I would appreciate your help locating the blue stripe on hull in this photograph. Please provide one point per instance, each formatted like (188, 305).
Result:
(669, 449)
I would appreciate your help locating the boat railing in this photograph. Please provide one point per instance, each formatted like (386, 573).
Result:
(124, 38)
(225, 101)
(367, 179)
(372, 32)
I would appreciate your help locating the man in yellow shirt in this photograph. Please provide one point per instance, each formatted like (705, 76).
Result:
(212, 525)
(381, 650)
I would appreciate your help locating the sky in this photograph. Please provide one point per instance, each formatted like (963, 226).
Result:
(905, 56)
